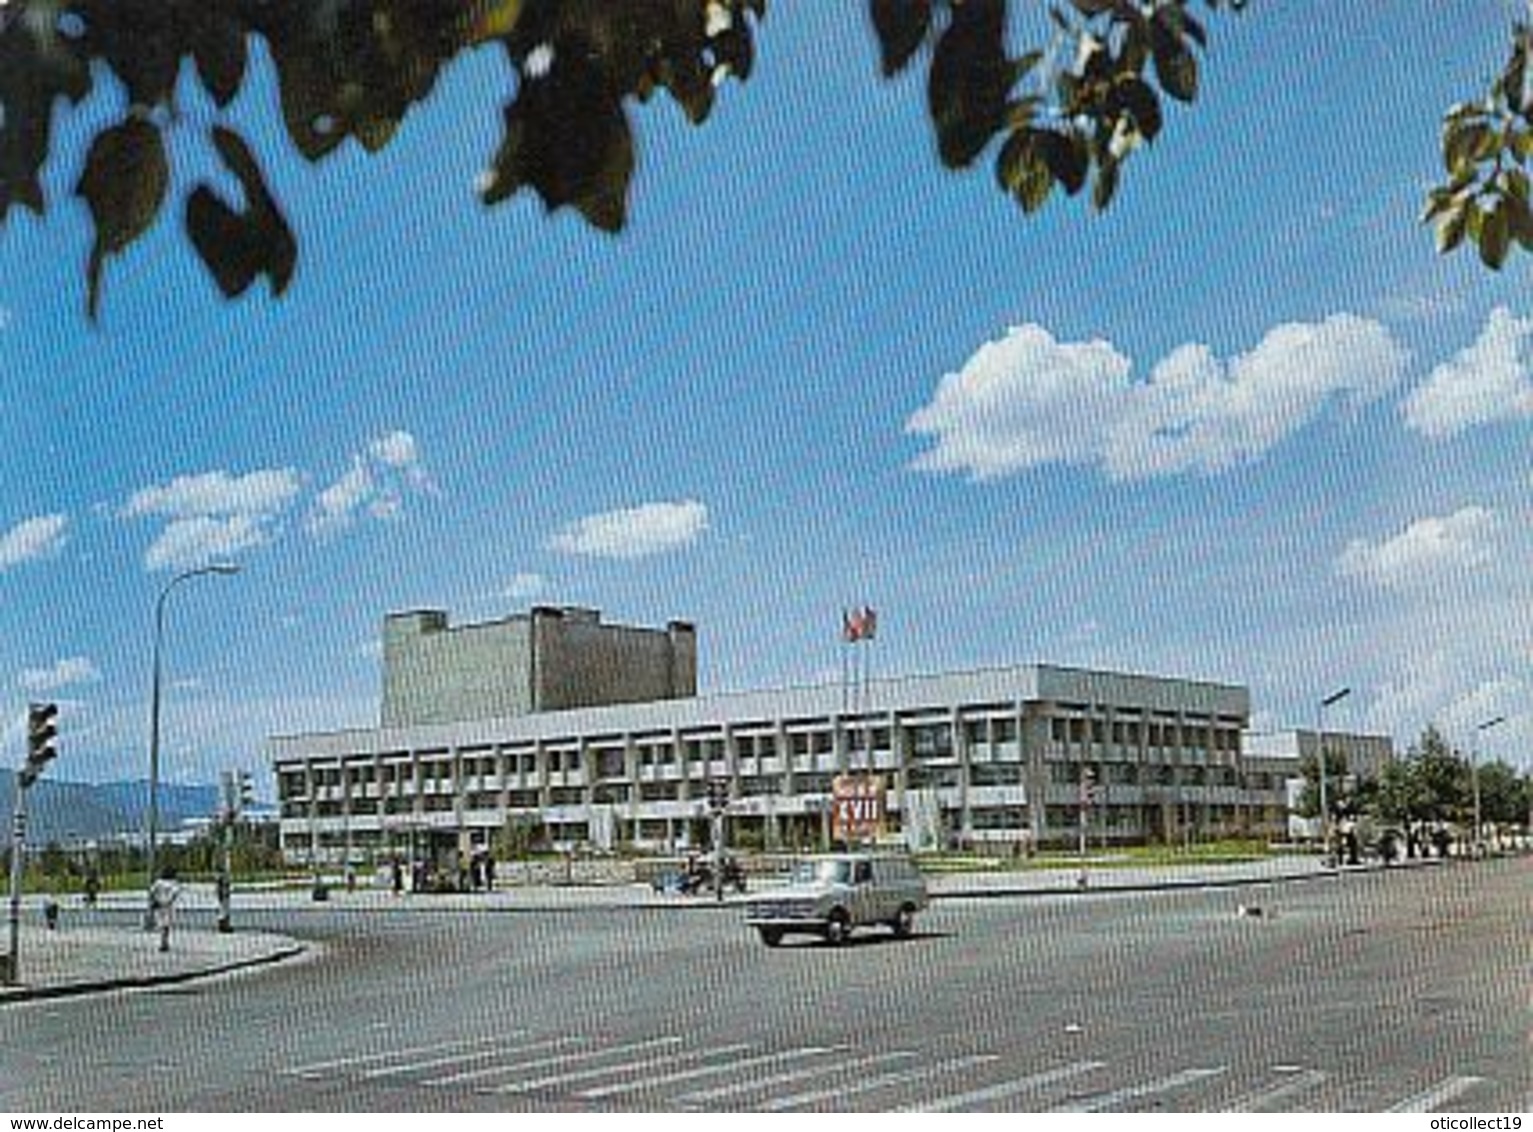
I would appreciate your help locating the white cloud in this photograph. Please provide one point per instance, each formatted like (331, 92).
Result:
(66, 672)
(1427, 551)
(213, 515)
(374, 485)
(187, 543)
(634, 532)
(1028, 400)
(218, 493)
(1486, 382)
(31, 539)
(525, 586)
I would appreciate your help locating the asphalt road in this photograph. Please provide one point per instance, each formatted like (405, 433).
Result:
(1403, 990)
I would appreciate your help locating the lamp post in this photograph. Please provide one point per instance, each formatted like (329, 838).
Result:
(1325, 809)
(153, 831)
(1474, 774)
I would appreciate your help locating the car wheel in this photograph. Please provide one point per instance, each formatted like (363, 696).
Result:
(771, 936)
(838, 928)
(904, 922)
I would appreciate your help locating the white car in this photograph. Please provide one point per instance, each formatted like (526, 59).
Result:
(830, 896)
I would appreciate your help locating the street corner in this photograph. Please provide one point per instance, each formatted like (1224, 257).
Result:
(86, 960)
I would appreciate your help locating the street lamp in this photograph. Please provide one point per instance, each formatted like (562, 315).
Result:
(1325, 810)
(154, 703)
(1474, 773)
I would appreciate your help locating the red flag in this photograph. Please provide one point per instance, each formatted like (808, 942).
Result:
(869, 623)
(849, 626)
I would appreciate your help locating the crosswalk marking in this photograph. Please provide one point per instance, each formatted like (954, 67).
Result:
(1134, 1092)
(841, 1065)
(569, 1059)
(500, 1049)
(684, 1075)
(1258, 1099)
(321, 1068)
(1006, 1089)
(493, 1070)
(591, 1072)
(879, 1081)
(1439, 1094)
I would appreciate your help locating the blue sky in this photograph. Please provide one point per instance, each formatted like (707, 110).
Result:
(1246, 426)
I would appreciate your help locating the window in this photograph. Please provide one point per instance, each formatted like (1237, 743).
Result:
(1004, 730)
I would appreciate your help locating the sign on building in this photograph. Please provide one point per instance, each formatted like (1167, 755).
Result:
(856, 806)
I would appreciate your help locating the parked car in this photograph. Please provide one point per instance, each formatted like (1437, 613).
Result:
(832, 895)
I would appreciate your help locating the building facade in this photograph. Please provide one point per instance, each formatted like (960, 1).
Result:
(545, 660)
(1362, 756)
(1004, 758)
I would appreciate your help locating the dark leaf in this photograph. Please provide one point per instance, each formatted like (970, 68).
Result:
(1495, 237)
(1105, 186)
(1451, 227)
(970, 81)
(34, 74)
(1176, 68)
(901, 26)
(123, 184)
(238, 246)
(1519, 218)
(1134, 96)
(1066, 156)
(568, 138)
(140, 40)
(218, 46)
(1022, 170)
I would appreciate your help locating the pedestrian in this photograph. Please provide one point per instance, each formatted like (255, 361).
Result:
(489, 872)
(92, 886)
(163, 894)
(397, 876)
(223, 890)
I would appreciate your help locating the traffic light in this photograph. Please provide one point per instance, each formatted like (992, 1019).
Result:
(42, 745)
(247, 792)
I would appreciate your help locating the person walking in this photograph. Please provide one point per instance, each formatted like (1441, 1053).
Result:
(163, 895)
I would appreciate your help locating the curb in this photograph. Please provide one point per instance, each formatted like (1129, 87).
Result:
(100, 986)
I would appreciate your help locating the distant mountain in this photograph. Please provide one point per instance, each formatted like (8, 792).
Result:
(71, 811)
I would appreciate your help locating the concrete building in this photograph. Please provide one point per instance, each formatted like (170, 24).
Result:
(1364, 756)
(545, 660)
(993, 757)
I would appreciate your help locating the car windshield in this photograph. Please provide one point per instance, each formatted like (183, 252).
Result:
(822, 872)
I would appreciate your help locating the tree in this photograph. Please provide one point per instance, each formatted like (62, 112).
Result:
(1337, 793)
(1503, 794)
(1068, 113)
(1443, 778)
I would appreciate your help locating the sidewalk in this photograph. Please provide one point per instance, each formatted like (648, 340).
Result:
(86, 955)
(978, 884)
(91, 952)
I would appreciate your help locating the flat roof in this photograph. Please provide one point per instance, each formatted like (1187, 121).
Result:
(909, 694)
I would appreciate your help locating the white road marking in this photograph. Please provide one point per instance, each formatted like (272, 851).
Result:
(320, 1068)
(683, 1075)
(1439, 1094)
(500, 1050)
(955, 1101)
(834, 1065)
(1134, 1092)
(589, 1073)
(868, 1084)
(563, 1059)
(1258, 1099)
(491, 1070)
